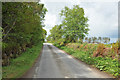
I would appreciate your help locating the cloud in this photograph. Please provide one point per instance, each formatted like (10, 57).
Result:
(50, 19)
(103, 18)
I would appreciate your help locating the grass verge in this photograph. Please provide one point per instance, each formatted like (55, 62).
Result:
(21, 64)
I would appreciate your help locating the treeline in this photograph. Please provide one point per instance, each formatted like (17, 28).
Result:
(97, 39)
(21, 28)
(73, 28)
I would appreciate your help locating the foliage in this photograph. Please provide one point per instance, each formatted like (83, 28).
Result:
(21, 28)
(75, 23)
(73, 28)
(114, 49)
(56, 33)
(100, 50)
(106, 63)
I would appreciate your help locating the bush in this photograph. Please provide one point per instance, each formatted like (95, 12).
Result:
(114, 49)
(99, 51)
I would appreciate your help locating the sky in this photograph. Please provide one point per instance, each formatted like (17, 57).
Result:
(103, 16)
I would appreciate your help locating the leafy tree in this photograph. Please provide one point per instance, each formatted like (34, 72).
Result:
(86, 39)
(94, 39)
(106, 40)
(56, 33)
(44, 34)
(21, 27)
(89, 40)
(74, 23)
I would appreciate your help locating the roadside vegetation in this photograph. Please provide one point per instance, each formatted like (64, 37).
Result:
(70, 36)
(22, 36)
(20, 65)
(96, 55)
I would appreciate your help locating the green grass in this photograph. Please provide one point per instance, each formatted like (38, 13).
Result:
(108, 45)
(21, 64)
(106, 64)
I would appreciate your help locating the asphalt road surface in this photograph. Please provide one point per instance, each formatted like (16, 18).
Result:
(55, 63)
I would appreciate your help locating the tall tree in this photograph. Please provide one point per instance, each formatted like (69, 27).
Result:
(86, 39)
(94, 39)
(106, 40)
(74, 23)
(89, 40)
(56, 33)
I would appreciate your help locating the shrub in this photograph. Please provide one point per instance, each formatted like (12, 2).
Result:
(81, 45)
(114, 49)
(100, 50)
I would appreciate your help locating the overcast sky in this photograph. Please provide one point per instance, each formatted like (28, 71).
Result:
(103, 16)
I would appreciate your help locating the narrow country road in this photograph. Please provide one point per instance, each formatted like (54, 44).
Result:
(55, 63)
